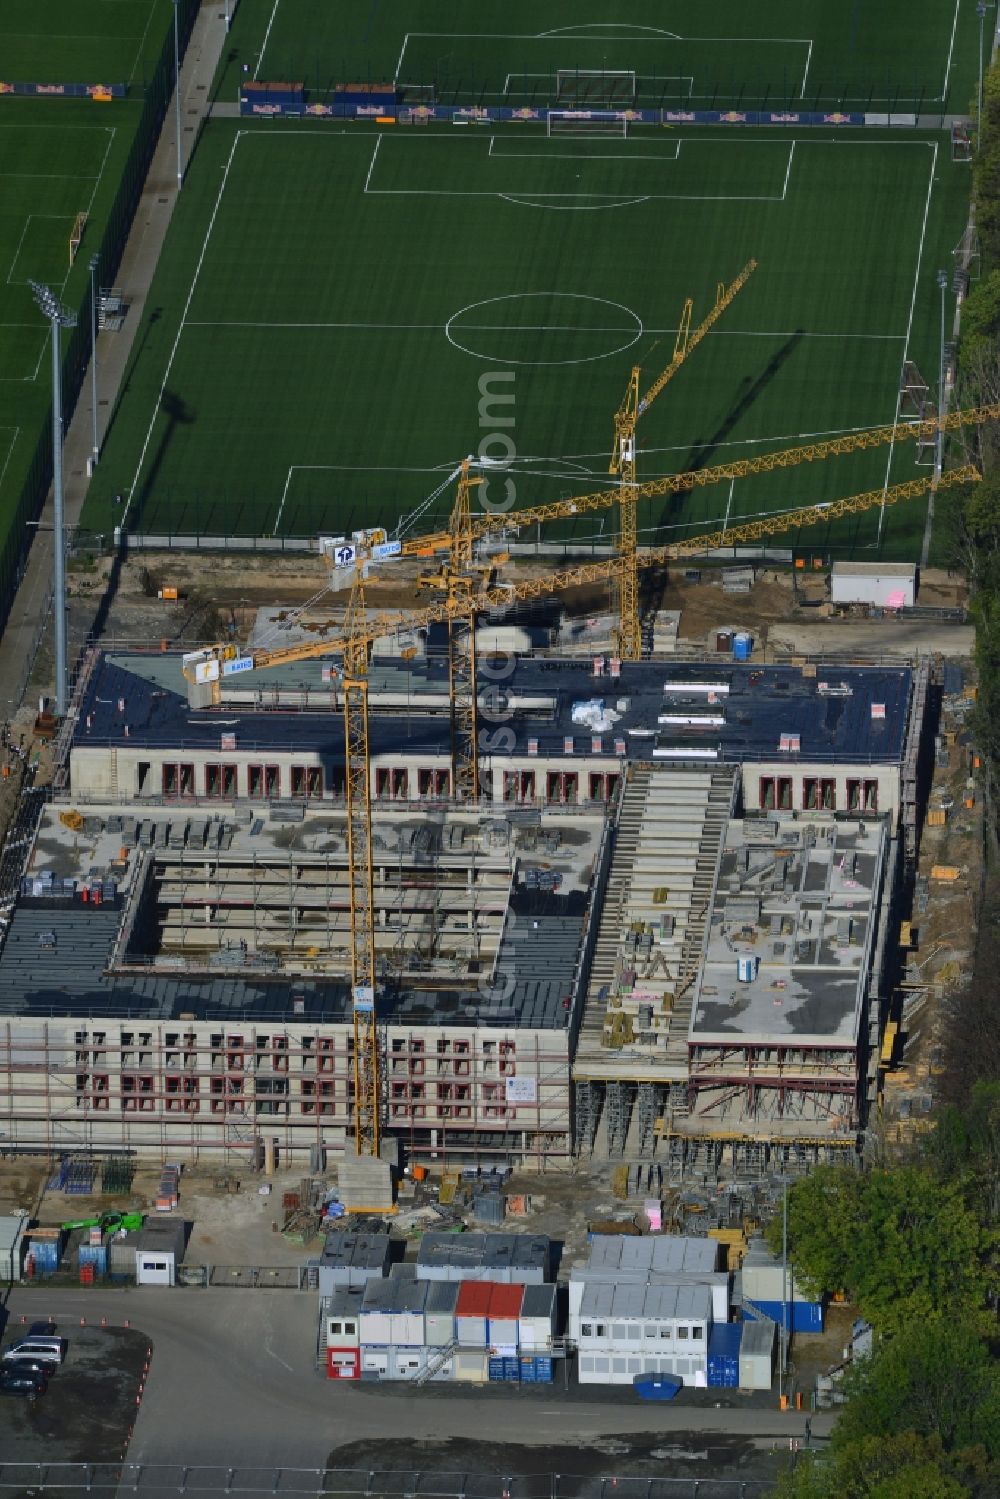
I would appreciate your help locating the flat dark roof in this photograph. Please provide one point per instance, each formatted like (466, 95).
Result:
(66, 976)
(843, 713)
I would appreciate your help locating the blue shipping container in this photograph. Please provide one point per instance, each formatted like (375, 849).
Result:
(45, 1253)
(802, 1316)
(496, 1369)
(543, 1370)
(96, 1255)
(724, 1356)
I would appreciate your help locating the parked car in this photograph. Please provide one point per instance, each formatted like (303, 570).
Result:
(50, 1350)
(41, 1330)
(28, 1383)
(30, 1366)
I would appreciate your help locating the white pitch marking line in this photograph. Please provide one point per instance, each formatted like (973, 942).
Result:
(577, 156)
(53, 177)
(805, 75)
(284, 493)
(371, 164)
(951, 53)
(729, 506)
(909, 328)
(180, 328)
(581, 30)
(19, 244)
(10, 451)
(267, 33)
(788, 171)
(399, 59)
(526, 328)
(142, 40)
(628, 36)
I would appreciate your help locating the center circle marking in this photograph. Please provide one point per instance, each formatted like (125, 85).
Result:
(627, 335)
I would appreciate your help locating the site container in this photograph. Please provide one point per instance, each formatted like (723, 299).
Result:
(470, 1367)
(439, 1312)
(801, 1316)
(502, 1319)
(343, 1363)
(94, 1254)
(724, 1356)
(537, 1322)
(45, 1255)
(757, 1355)
(472, 1310)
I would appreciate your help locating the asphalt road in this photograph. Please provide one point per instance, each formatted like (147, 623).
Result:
(233, 1379)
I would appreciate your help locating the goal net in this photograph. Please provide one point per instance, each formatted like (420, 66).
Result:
(585, 122)
(584, 86)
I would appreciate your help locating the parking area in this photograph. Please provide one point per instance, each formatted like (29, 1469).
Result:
(89, 1408)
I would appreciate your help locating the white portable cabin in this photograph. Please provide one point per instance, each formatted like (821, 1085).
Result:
(159, 1251)
(623, 1330)
(887, 585)
(537, 1323)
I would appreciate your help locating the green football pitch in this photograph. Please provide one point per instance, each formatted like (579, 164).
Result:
(334, 300)
(58, 158)
(809, 54)
(78, 41)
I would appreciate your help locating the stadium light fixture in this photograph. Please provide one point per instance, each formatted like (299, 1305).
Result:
(942, 281)
(981, 13)
(59, 317)
(95, 261)
(177, 98)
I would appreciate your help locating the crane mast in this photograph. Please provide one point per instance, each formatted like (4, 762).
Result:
(360, 873)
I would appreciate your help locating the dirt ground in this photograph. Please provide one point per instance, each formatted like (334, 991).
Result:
(942, 936)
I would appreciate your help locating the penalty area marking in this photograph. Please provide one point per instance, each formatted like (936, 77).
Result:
(553, 200)
(573, 34)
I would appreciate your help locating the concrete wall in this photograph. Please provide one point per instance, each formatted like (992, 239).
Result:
(136, 774)
(191, 1085)
(885, 779)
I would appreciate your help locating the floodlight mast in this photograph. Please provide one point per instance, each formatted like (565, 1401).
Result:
(59, 317)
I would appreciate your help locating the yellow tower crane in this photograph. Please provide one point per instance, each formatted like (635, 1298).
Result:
(623, 457)
(354, 641)
(488, 523)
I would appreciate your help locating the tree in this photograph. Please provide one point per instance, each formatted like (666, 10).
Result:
(824, 1219)
(903, 1466)
(934, 1378)
(901, 1243)
(965, 1143)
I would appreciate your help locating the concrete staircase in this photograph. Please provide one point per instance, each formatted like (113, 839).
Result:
(717, 814)
(615, 911)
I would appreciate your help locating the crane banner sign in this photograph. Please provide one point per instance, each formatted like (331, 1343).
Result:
(241, 663)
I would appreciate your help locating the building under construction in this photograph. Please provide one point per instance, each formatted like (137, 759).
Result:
(658, 935)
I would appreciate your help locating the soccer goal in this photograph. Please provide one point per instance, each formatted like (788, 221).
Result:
(585, 122)
(583, 86)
